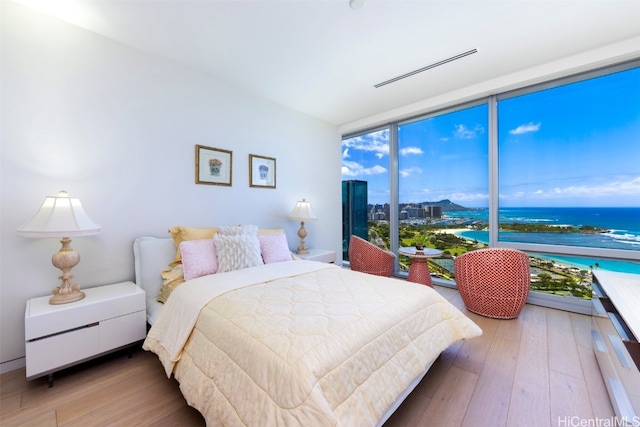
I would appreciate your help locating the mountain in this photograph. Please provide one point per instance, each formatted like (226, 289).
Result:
(447, 206)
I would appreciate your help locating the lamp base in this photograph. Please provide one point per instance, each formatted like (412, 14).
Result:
(65, 297)
(65, 259)
(302, 233)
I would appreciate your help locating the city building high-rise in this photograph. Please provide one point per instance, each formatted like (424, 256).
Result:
(433, 211)
(354, 213)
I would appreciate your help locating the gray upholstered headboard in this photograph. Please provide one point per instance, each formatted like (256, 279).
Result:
(152, 255)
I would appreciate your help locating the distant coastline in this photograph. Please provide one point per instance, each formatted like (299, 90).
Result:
(461, 230)
(597, 227)
(569, 261)
(608, 228)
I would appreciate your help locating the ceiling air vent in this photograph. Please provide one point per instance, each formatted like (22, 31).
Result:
(428, 67)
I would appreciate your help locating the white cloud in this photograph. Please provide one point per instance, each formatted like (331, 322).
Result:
(377, 142)
(404, 173)
(350, 168)
(463, 132)
(411, 150)
(462, 198)
(626, 189)
(526, 128)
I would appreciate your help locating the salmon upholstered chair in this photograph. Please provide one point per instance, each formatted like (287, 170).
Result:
(493, 282)
(366, 257)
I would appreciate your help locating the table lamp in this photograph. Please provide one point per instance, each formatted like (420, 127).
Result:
(62, 216)
(302, 212)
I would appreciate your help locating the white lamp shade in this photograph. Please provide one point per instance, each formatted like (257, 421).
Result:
(60, 216)
(303, 212)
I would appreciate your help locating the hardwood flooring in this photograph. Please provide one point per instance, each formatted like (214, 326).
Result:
(537, 370)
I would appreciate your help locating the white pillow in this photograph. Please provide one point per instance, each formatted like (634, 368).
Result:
(198, 258)
(234, 230)
(237, 251)
(274, 248)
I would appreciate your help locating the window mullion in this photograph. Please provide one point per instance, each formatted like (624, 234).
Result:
(394, 188)
(493, 171)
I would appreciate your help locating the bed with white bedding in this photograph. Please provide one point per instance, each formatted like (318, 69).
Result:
(295, 342)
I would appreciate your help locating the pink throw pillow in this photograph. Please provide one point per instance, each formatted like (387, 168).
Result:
(274, 248)
(198, 258)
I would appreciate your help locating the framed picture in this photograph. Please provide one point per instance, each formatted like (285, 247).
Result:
(262, 171)
(213, 166)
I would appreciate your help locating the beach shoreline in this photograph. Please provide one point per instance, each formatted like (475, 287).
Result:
(454, 231)
(567, 262)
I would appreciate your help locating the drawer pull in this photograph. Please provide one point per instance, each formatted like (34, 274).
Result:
(90, 325)
(620, 326)
(597, 339)
(622, 401)
(599, 308)
(621, 351)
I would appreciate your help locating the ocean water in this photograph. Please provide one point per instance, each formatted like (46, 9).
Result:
(622, 225)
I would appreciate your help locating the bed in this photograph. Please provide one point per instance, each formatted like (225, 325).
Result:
(294, 342)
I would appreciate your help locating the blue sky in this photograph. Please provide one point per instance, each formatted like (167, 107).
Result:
(576, 145)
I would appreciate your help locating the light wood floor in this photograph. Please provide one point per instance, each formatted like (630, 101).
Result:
(537, 370)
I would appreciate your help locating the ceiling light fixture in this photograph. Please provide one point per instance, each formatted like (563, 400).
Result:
(428, 67)
(356, 4)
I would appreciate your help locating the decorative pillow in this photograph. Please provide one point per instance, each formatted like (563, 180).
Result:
(274, 248)
(181, 234)
(171, 279)
(234, 230)
(263, 231)
(198, 258)
(237, 251)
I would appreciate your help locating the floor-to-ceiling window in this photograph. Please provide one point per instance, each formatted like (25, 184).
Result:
(569, 174)
(443, 185)
(552, 169)
(365, 168)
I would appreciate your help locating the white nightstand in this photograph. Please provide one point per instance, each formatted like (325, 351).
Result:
(321, 255)
(57, 336)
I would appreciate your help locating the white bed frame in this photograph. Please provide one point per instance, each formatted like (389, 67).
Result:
(153, 254)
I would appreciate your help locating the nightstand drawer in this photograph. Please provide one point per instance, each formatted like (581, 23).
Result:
(58, 351)
(621, 377)
(58, 336)
(102, 302)
(615, 327)
(123, 330)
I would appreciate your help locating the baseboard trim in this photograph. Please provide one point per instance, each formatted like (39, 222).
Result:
(12, 365)
(566, 303)
(559, 302)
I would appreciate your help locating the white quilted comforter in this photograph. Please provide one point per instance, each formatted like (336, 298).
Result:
(301, 343)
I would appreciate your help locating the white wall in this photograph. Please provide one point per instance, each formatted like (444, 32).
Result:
(118, 128)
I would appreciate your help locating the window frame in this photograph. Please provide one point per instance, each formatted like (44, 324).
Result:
(494, 240)
(554, 301)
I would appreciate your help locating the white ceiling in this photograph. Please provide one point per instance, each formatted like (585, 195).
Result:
(323, 58)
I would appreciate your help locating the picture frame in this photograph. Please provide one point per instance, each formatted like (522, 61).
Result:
(262, 171)
(214, 166)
